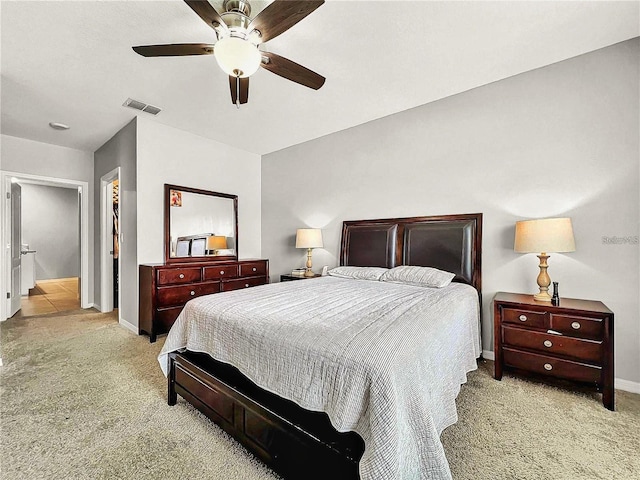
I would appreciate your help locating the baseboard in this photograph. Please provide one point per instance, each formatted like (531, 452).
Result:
(129, 326)
(627, 385)
(619, 383)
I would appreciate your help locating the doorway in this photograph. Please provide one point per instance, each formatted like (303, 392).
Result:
(110, 240)
(11, 238)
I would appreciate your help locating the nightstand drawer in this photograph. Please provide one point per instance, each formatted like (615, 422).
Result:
(577, 326)
(552, 366)
(584, 350)
(525, 317)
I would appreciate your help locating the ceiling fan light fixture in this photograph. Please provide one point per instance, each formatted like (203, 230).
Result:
(237, 57)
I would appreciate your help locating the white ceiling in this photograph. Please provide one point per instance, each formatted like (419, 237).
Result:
(72, 62)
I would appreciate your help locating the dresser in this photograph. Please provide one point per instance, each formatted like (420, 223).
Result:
(571, 341)
(165, 288)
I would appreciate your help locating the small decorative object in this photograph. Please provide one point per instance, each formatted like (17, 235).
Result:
(175, 198)
(197, 247)
(183, 248)
(555, 300)
(544, 235)
(325, 269)
(309, 238)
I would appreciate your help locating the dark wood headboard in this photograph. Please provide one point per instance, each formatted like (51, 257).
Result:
(447, 242)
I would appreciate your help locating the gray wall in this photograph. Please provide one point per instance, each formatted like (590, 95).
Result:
(557, 141)
(50, 225)
(120, 151)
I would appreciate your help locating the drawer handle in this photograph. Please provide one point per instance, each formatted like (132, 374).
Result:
(523, 318)
(181, 275)
(246, 285)
(575, 325)
(548, 366)
(548, 343)
(221, 272)
(254, 269)
(193, 293)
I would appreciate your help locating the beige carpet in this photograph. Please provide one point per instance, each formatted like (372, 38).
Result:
(82, 397)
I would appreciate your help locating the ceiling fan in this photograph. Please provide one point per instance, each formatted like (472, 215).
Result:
(238, 39)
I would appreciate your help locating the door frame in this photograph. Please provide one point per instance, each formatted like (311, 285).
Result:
(5, 234)
(106, 237)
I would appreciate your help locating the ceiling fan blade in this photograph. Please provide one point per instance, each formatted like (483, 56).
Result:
(280, 16)
(241, 88)
(291, 70)
(174, 50)
(206, 12)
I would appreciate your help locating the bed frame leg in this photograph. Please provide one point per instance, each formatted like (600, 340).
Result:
(172, 396)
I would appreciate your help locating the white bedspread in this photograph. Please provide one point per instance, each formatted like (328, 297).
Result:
(382, 359)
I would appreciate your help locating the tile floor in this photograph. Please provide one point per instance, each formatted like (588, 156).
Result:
(49, 296)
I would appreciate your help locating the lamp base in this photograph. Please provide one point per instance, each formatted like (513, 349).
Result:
(543, 280)
(542, 297)
(308, 272)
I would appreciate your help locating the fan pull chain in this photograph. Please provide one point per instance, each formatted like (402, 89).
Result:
(238, 92)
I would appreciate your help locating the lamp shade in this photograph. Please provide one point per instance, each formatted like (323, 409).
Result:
(216, 242)
(546, 235)
(309, 238)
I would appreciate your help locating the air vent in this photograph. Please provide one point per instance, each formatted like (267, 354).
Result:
(129, 102)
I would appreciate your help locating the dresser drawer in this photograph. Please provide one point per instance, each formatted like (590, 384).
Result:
(178, 275)
(585, 350)
(252, 269)
(174, 296)
(243, 283)
(552, 366)
(527, 318)
(166, 317)
(578, 326)
(221, 271)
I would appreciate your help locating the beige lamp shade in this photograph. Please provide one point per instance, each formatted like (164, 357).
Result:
(548, 235)
(309, 238)
(216, 242)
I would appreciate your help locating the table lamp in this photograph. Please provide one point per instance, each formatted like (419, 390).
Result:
(309, 238)
(545, 235)
(215, 243)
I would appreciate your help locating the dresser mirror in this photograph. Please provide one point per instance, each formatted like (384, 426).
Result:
(199, 225)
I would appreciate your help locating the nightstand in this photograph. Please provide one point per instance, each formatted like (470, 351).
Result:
(290, 278)
(571, 341)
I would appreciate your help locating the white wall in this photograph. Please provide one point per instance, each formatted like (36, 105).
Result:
(168, 155)
(50, 225)
(560, 140)
(120, 151)
(45, 160)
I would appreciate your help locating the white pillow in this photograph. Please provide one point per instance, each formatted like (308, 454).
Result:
(359, 273)
(418, 276)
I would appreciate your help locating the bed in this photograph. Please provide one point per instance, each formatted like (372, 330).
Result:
(341, 378)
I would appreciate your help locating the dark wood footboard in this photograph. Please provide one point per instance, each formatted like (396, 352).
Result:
(295, 442)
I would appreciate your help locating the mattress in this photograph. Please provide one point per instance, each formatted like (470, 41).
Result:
(384, 360)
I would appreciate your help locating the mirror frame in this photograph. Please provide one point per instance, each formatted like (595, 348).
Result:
(167, 225)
